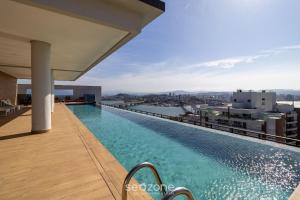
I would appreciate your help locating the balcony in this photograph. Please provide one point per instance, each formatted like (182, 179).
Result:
(292, 122)
(291, 129)
(291, 115)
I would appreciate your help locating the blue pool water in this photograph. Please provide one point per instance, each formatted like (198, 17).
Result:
(212, 165)
(170, 111)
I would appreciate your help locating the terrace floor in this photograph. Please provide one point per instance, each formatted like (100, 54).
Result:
(67, 162)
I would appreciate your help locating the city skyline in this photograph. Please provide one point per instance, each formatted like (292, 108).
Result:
(213, 46)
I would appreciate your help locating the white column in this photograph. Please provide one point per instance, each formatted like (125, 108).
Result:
(52, 92)
(41, 86)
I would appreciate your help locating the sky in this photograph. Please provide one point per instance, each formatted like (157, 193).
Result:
(208, 45)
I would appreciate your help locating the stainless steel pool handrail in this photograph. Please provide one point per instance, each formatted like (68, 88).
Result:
(179, 191)
(137, 168)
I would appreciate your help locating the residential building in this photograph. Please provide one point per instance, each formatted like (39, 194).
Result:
(265, 101)
(252, 112)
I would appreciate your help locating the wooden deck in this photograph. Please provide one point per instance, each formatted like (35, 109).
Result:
(296, 194)
(65, 163)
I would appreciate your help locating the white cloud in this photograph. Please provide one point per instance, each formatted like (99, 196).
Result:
(229, 62)
(290, 47)
(219, 74)
(278, 50)
(262, 78)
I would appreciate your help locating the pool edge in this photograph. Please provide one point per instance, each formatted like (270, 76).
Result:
(114, 171)
(265, 142)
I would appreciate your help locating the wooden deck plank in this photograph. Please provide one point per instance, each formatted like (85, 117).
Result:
(296, 194)
(113, 172)
(68, 162)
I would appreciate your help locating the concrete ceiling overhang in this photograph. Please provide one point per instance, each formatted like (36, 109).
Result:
(81, 33)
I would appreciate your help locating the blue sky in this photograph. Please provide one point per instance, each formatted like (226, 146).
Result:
(209, 45)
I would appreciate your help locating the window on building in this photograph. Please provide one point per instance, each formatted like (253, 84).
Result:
(263, 101)
(249, 100)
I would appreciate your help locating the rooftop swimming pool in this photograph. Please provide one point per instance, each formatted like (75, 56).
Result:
(212, 164)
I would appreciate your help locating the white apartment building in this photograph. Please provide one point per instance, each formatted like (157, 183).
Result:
(264, 101)
(254, 111)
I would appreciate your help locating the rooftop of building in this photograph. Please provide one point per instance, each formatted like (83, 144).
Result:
(255, 91)
(67, 162)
